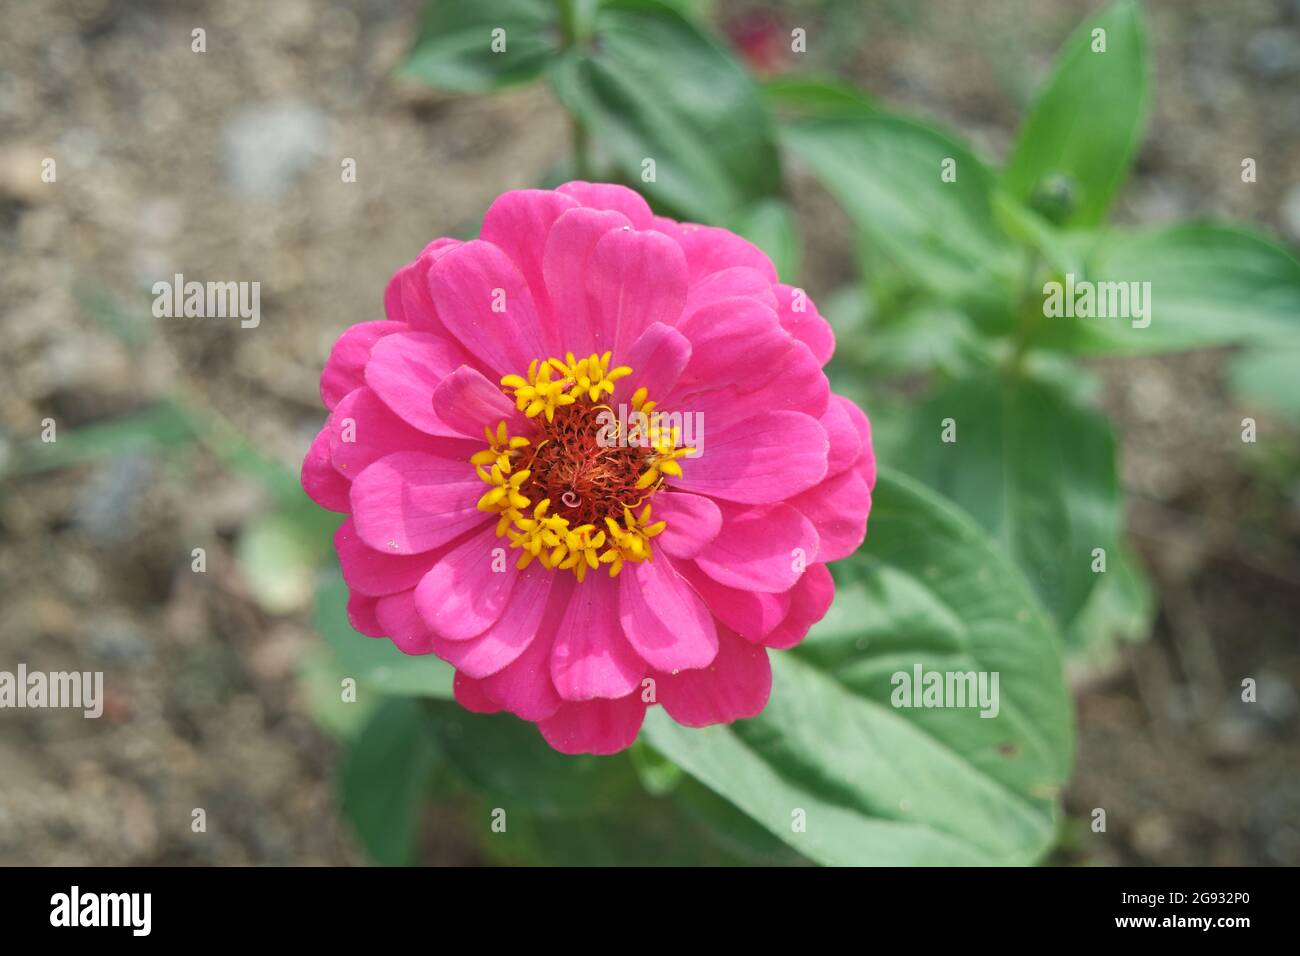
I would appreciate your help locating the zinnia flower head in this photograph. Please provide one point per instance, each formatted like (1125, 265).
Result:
(510, 447)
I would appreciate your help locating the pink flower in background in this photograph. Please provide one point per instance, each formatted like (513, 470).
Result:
(591, 460)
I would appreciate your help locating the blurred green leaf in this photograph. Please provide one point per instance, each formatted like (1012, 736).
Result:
(880, 784)
(1077, 141)
(769, 224)
(792, 95)
(1033, 468)
(454, 49)
(280, 557)
(1120, 608)
(320, 686)
(384, 779)
(374, 661)
(162, 426)
(650, 85)
(1210, 284)
(1269, 377)
(886, 172)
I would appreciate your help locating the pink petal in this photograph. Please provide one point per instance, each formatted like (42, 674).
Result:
(736, 282)
(466, 284)
(634, 279)
(693, 521)
(735, 686)
(524, 688)
(807, 325)
(710, 249)
(370, 572)
(564, 265)
(322, 482)
(735, 342)
(799, 385)
(402, 623)
(846, 443)
(751, 614)
(663, 618)
(405, 368)
(409, 502)
(466, 401)
(609, 196)
(376, 431)
(362, 616)
(766, 458)
(595, 726)
(760, 549)
(407, 297)
(657, 359)
(464, 593)
(838, 509)
(346, 365)
(866, 465)
(591, 657)
(518, 224)
(469, 694)
(810, 599)
(503, 642)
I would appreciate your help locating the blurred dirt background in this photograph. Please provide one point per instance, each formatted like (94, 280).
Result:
(226, 165)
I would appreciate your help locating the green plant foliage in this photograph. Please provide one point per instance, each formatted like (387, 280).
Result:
(650, 86)
(887, 785)
(1033, 468)
(459, 46)
(385, 778)
(374, 662)
(1077, 141)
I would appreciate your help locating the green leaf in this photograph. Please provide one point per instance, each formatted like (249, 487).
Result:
(280, 557)
(769, 224)
(1077, 141)
(1210, 284)
(651, 85)
(793, 96)
(1033, 468)
(161, 427)
(374, 661)
(880, 784)
(1268, 377)
(1121, 608)
(454, 49)
(886, 171)
(384, 778)
(507, 759)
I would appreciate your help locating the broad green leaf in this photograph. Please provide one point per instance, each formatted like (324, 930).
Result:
(653, 88)
(384, 779)
(1075, 145)
(769, 224)
(455, 47)
(887, 173)
(1209, 284)
(1034, 468)
(507, 759)
(374, 661)
(1268, 377)
(793, 95)
(875, 783)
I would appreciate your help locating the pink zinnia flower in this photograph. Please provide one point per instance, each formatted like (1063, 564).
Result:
(521, 498)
